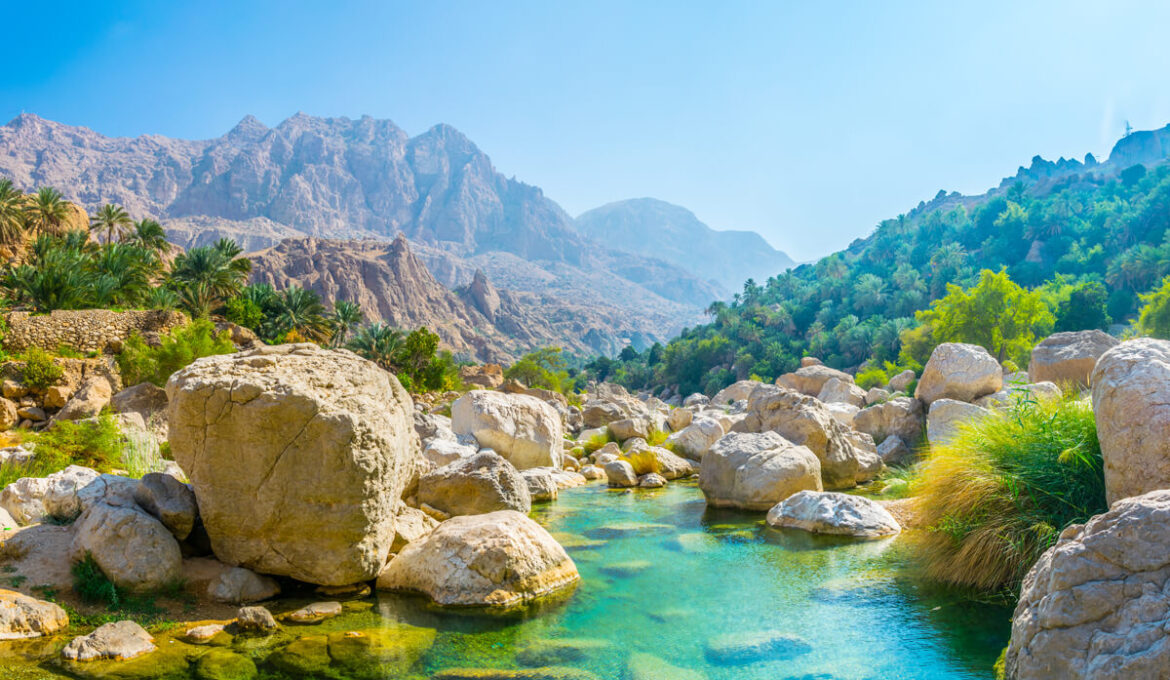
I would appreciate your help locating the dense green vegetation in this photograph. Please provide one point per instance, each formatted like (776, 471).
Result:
(96, 444)
(140, 362)
(1083, 249)
(998, 495)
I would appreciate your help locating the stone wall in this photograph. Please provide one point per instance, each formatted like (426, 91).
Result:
(85, 330)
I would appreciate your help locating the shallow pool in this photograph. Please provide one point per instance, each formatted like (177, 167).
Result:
(664, 576)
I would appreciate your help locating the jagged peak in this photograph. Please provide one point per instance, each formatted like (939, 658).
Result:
(249, 129)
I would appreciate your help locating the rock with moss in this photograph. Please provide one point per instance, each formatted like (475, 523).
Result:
(650, 667)
(304, 657)
(377, 653)
(116, 641)
(255, 620)
(314, 613)
(497, 559)
(224, 664)
(555, 652)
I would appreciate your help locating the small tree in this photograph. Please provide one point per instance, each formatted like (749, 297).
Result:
(1084, 308)
(1155, 315)
(995, 313)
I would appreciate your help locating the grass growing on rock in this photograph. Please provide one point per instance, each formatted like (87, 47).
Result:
(599, 440)
(139, 362)
(97, 444)
(1001, 492)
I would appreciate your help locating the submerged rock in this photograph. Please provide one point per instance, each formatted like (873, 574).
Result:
(497, 559)
(742, 648)
(649, 667)
(548, 673)
(314, 613)
(298, 457)
(834, 513)
(117, 641)
(560, 651)
(224, 664)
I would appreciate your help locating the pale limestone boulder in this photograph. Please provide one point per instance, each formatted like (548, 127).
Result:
(31, 499)
(147, 400)
(255, 619)
(9, 414)
(592, 473)
(411, 525)
(834, 513)
(651, 480)
(947, 416)
(1069, 358)
(134, 550)
(482, 483)
(869, 462)
(959, 371)
(672, 466)
(756, 471)
(442, 452)
(1094, 605)
(738, 391)
(237, 585)
(805, 421)
(838, 391)
(901, 417)
(168, 500)
(630, 428)
(117, 641)
(88, 401)
(521, 428)
(499, 559)
(876, 395)
(23, 617)
(810, 361)
(696, 400)
(298, 457)
(620, 474)
(811, 380)
(894, 451)
(542, 485)
(901, 382)
(695, 439)
(1131, 403)
(843, 413)
(679, 418)
(1042, 391)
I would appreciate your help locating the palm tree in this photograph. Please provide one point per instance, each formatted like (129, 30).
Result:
(111, 218)
(379, 343)
(346, 315)
(47, 210)
(213, 271)
(11, 212)
(150, 235)
(300, 310)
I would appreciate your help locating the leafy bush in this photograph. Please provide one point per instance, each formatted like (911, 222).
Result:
(96, 444)
(644, 461)
(597, 441)
(656, 437)
(39, 372)
(1001, 492)
(140, 362)
(414, 358)
(542, 368)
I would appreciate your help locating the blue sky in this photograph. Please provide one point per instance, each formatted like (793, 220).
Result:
(808, 122)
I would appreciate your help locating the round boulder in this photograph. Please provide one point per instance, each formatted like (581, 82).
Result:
(834, 513)
(481, 483)
(499, 559)
(523, 429)
(1069, 357)
(756, 471)
(959, 371)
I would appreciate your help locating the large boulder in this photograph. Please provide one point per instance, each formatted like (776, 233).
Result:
(31, 499)
(838, 391)
(169, 500)
(519, 427)
(959, 371)
(24, 617)
(147, 400)
(1131, 402)
(475, 485)
(117, 641)
(834, 513)
(88, 401)
(1069, 357)
(805, 421)
(1094, 605)
(901, 417)
(756, 471)
(811, 380)
(694, 440)
(442, 452)
(948, 416)
(298, 457)
(498, 559)
(134, 550)
(676, 420)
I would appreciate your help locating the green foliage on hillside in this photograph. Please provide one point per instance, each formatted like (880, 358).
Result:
(414, 357)
(140, 362)
(1088, 245)
(544, 368)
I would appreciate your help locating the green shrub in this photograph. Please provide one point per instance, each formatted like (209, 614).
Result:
(598, 440)
(644, 461)
(92, 585)
(656, 437)
(1001, 492)
(96, 444)
(39, 372)
(140, 362)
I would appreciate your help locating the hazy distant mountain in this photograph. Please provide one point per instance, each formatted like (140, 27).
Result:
(647, 226)
(366, 178)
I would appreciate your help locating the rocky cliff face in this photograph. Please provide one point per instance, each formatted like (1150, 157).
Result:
(653, 228)
(479, 321)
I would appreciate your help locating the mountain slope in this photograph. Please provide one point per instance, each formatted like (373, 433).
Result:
(653, 228)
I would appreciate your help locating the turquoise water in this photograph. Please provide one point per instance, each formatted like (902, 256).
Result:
(662, 575)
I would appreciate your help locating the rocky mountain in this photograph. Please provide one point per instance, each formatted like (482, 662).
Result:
(1142, 147)
(653, 228)
(337, 178)
(477, 321)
